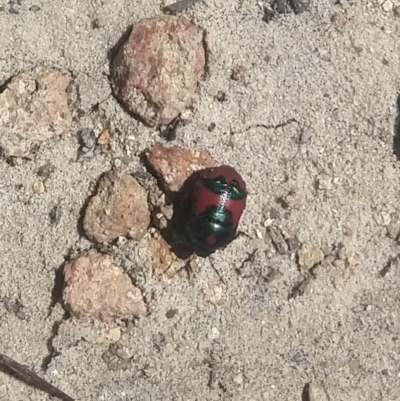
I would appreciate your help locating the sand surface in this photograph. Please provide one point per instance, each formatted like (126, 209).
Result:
(322, 168)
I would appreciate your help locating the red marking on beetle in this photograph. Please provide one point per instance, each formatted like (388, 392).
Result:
(205, 198)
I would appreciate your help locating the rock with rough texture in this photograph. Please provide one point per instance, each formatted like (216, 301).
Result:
(316, 392)
(155, 72)
(118, 209)
(162, 258)
(33, 109)
(96, 288)
(165, 263)
(173, 165)
(309, 256)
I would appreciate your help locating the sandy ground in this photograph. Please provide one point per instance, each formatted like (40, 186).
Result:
(338, 185)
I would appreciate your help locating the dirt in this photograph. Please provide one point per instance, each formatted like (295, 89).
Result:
(314, 133)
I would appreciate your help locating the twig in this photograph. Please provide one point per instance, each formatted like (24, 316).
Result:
(29, 377)
(180, 6)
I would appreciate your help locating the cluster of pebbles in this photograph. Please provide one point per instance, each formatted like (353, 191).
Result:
(154, 74)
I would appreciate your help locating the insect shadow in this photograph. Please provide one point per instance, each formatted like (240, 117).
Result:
(396, 137)
(175, 233)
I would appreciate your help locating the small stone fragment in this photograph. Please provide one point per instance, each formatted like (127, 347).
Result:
(158, 341)
(173, 165)
(305, 136)
(300, 6)
(240, 74)
(33, 109)
(163, 258)
(87, 139)
(213, 334)
(338, 19)
(55, 214)
(211, 127)
(309, 256)
(282, 6)
(15, 307)
(171, 313)
(278, 240)
(324, 182)
(269, 14)
(396, 11)
(104, 138)
(393, 228)
(221, 96)
(116, 358)
(387, 6)
(38, 187)
(110, 337)
(352, 260)
(293, 244)
(87, 142)
(96, 288)
(118, 209)
(45, 171)
(213, 294)
(315, 392)
(155, 72)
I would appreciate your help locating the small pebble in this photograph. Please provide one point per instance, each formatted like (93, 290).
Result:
(171, 313)
(221, 96)
(45, 171)
(104, 138)
(339, 20)
(239, 74)
(324, 182)
(110, 337)
(211, 127)
(278, 240)
(387, 6)
(213, 294)
(213, 334)
(309, 256)
(38, 187)
(316, 392)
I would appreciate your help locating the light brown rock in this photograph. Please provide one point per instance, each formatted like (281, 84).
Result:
(33, 109)
(173, 165)
(162, 258)
(155, 72)
(96, 288)
(165, 263)
(118, 209)
(309, 256)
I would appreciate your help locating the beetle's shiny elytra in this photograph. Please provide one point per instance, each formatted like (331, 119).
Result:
(217, 203)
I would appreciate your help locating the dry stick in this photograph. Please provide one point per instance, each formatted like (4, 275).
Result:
(180, 6)
(28, 376)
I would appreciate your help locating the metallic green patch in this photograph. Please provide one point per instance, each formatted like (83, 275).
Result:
(220, 187)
